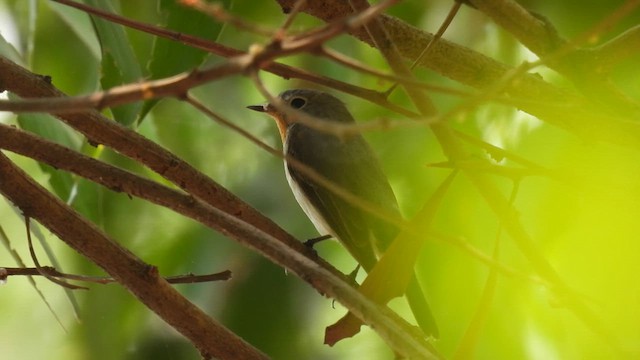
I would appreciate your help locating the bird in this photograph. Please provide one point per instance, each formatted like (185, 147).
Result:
(350, 163)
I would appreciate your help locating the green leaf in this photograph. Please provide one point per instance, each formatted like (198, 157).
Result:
(171, 57)
(80, 23)
(7, 50)
(119, 63)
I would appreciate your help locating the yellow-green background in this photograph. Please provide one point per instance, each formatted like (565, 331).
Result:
(586, 226)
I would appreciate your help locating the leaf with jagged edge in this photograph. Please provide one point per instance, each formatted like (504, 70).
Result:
(119, 63)
(172, 57)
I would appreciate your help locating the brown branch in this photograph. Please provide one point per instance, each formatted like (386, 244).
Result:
(34, 258)
(53, 272)
(569, 58)
(215, 10)
(576, 126)
(532, 30)
(18, 259)
(178, 85)
(101, 130)
(174, 86)
(558, 107)
(618, 49)
(140, 279)
(61, 158)
(378, 35)
(283, 250)
(143, 280)
(382, 41)
(284, 71)
(119, 180)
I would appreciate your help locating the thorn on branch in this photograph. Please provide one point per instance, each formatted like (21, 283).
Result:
(46, 78)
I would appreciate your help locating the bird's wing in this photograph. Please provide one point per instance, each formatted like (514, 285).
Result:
(350, 164)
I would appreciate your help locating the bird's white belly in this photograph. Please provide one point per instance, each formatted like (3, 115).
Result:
(312, 213)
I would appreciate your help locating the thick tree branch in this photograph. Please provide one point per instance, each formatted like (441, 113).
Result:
(140, 279)
(451, 146)
(559, 107)
(532, 30)
(101, 130)
(584, 117)
(218, 209)
(581, 65)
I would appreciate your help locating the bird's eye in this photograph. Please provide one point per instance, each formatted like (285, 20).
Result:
(297, 102)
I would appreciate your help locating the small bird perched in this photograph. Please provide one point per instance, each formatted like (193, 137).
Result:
(350, 164)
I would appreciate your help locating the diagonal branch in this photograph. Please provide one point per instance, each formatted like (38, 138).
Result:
(139, 278)
(559, 107)
(454, 150)
(284, 250)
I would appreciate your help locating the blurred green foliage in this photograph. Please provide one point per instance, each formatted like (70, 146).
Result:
(586, 225)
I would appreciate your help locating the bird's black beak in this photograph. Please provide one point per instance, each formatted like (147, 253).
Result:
(258, 108)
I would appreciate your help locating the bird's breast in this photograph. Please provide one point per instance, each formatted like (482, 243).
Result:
(307, 206)
(309, 209)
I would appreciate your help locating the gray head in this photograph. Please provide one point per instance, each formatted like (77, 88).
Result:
(313, 102)
(318, 104)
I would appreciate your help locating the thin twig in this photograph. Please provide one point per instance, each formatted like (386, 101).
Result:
(217, 12)
(438, 35)
(292, 14)
(34, 258)
(52, 272)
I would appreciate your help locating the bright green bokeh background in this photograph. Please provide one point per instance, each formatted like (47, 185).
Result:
(586, 226)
